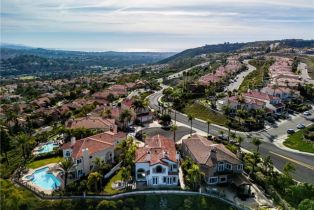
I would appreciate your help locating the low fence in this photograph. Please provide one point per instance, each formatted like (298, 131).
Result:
(44, 196)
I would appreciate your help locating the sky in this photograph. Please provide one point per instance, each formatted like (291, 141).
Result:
(151, 25)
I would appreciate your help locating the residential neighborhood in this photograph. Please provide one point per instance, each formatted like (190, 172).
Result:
(232, 130)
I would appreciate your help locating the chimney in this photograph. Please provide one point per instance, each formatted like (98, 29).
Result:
(148, 155)
(73, 140)
(213, 152)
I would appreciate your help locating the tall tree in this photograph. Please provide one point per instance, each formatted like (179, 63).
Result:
(101, 166)
(190, 117)
(93, 181)
(195, 176)
(5, 140)
(257, 142)
(24, 141)
(140, 105)
(208, 124)
(174, 128)
(66, 165)
(125, 117)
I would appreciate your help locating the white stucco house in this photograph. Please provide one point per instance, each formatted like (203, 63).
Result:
(84, 151)
(156, 163)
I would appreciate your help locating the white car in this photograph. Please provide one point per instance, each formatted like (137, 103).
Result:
(307, 113)
(300, 126)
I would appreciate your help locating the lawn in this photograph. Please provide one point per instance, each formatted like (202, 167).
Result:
(255, 78)
(108, 189)
(39, 163)
(201, 112)
(295, 141)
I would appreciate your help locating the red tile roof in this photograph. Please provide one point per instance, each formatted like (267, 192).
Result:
(96, 143)
(90, 122)
(201, 149)
(156, 149)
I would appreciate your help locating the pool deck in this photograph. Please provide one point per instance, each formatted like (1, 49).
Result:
(31, 171)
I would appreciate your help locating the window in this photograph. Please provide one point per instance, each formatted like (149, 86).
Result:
(68, 153)
(220, 167)
(91, 167)
(165, 179)
(213, 180)
(155, 180)
(90, 157)
(78, 161)
(174, 180)
(222, 179)
(80, 172)
(158, 169)
(240, 167)
(140, 173)
(174, 166)
(228, 166)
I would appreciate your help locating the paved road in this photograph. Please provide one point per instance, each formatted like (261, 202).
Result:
(180, 73)
(304, 73)
(304, 164)
(240, 77)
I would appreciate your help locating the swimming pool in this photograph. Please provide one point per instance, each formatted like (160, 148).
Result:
(45, 180)
(48, 147)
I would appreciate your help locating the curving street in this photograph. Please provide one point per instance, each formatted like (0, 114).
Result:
(304, 164)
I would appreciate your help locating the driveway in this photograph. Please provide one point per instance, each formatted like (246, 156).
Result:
(182, 131)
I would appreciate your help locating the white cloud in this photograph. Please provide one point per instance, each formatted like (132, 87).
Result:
(186, 18)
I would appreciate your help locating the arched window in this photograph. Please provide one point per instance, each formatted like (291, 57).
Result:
(68, 153)
(140, 173)
(158, 169)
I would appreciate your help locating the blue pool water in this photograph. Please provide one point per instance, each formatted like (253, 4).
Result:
(45, 180)
(47, 148)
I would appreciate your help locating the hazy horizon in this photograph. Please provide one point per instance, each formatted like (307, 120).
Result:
(155, 26)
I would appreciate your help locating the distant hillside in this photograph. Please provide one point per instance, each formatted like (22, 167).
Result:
(232, 47)
(217, 48)
(16, 60)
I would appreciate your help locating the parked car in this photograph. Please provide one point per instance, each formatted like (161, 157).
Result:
(290, 131)
(300, 126)
(307, 113)
(223, 136)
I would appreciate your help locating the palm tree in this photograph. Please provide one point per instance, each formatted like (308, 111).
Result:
(195, 176)
(100, 165)
(240, 139)
(190, 117)
(140, 105)
(174, 128)
(229, 129)
(125, 117)
(66, 165)
(93, 180)
(208, 124)
(23, 140)
(255, 161)
(267, 165)
(257, 142)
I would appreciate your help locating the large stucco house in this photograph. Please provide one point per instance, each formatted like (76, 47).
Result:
(156, 164)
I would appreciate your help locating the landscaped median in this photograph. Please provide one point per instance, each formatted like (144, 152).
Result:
(302, 140)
